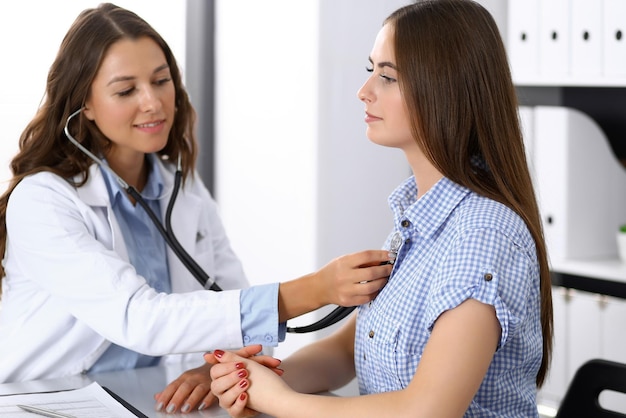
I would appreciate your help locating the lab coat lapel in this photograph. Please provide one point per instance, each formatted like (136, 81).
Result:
(94, 193)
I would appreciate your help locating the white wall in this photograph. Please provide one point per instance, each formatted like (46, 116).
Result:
(30, 35)
(297, 179)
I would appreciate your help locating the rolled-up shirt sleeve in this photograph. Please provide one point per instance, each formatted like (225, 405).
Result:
(259, 316)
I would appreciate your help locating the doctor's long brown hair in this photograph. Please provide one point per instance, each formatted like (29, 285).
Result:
(455, 78)
(43, 145)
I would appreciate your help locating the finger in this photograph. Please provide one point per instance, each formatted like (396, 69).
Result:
(362, 293)
(164, 397)
(223, 384)
(223, 369)
(370, 274)
(209, 399)
(178, 398)
(240, 409)
(200, 393)
(210, 358)
(372, 286)
(228, 398)
(267, 361)
(250, 350)
(369, 257)
(226, 356)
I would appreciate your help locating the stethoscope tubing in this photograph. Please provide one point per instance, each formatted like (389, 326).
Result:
(166, 231)
(168, 235)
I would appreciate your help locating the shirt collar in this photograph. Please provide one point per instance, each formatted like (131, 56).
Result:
(151, 191)
(431, 210)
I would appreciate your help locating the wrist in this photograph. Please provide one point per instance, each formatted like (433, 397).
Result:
(285, 404)
(299, 296)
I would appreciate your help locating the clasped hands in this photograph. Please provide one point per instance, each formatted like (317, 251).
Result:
(348, 281)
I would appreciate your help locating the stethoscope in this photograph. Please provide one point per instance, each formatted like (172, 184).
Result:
(166, 231)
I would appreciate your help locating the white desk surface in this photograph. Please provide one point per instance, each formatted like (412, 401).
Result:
(136, 386)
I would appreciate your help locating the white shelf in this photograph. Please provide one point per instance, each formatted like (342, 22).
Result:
(611, 269)
(570, 81)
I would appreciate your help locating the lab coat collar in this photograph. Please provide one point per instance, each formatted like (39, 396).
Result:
(95, 194)
(94, 191)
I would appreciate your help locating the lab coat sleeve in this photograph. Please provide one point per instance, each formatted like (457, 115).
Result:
(63, 247)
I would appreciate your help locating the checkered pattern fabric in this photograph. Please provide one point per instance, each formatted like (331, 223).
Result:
(456, 245)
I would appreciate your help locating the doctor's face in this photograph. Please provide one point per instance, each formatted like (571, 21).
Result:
(386, 114)
(132, 98)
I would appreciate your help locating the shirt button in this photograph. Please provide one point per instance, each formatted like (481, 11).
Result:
(371, 334)
(246, 339)
(364, 357)
(405, 223)
(268, 338)
(488, 277)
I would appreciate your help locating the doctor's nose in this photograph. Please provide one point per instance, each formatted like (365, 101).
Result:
(149, 100)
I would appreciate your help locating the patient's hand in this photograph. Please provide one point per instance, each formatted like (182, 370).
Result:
(192, 389)
(240, 396)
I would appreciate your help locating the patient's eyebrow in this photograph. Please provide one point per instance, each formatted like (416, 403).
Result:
(384, 64)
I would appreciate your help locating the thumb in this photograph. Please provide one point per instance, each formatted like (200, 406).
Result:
(210, 358)
(225, 356)
(250, 350)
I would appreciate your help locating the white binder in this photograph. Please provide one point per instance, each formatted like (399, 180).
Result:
(554, 38)
(614, 23)
(586, 41)
(526, 114)
(523, 39)
(581, 185)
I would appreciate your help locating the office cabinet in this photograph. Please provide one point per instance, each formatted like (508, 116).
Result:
(586, 326)
(577, 61)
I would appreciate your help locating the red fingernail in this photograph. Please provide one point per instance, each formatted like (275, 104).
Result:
(243, 384)
(218, 353)
(242, 374)
(239, 365)
(242, 396)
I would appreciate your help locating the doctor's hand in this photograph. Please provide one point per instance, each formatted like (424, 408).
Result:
(192, 389)
(354, 279)
(245, 387)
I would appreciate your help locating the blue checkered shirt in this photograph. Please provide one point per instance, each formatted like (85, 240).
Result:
(456, 245)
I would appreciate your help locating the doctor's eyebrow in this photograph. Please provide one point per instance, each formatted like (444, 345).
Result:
(384, 64)
(130, 77)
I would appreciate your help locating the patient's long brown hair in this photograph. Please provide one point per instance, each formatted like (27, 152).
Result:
(458, 89)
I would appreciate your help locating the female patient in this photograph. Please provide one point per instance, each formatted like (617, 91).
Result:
(464, 326)
(89, 284)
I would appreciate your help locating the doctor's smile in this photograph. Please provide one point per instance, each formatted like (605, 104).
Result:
(152, 127)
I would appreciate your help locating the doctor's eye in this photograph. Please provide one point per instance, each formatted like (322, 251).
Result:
(369, 69)
(162, 81)
(126, 92)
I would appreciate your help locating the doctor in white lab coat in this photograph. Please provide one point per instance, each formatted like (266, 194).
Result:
(88, 283)
(70, 289)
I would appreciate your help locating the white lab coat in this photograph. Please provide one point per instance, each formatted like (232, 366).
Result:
(70, 289)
